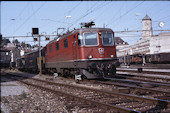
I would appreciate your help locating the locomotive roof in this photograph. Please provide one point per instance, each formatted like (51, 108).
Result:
(81, 30)
(93, 29)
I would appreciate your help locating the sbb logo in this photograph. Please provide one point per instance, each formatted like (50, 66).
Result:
(101, 50)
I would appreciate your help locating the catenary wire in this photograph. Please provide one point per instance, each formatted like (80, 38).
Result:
(29, 17)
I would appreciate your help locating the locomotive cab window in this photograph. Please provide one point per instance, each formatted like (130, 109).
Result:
(80, 39)
(66, 43)
(107, 39)
(91, 39)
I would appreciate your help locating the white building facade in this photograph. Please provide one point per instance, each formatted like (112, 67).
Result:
(149, 44)
(160, 43)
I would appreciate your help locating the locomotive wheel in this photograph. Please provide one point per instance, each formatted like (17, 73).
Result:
(83, 77)
(66, 73)
(114, 69)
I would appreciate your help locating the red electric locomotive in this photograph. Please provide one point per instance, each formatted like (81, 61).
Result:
(90, 52)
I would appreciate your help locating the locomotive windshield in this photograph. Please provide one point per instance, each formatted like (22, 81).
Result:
(107, 39)
(91, 39)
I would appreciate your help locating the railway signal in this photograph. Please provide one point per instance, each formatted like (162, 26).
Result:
(35, 32)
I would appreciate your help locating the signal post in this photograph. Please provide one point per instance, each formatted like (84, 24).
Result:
(40, 55)
(35, 32)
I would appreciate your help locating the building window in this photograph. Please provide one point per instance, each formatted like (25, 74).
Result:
(50, 48)
(57, 46)
(66, 43)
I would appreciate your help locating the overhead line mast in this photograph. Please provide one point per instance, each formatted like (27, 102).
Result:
(0, 17)
(0, 24)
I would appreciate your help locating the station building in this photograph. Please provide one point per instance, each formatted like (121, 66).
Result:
(148, 44)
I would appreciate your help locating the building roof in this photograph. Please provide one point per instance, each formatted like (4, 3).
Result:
(10, 47)
(4, 50)
(119, 41)
(146, 17)
(162, 34)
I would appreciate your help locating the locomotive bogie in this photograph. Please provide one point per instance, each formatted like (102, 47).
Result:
(100, 69)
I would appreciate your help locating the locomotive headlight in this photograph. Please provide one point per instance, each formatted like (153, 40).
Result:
(112, 56)
(90, 56)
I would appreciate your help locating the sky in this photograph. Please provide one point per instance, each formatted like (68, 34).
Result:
(19, 17)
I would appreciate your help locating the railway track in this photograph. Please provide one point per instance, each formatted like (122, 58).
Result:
(153, 80)
(150, 77)
(114, 101)
(154, 92)
(138, 82)
(144, 71)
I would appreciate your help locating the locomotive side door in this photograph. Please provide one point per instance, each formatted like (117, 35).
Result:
(75, 48)
(77, 44)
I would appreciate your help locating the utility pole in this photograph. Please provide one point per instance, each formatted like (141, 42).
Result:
(40, 73)
(0, 24)
(35, 32)
(68, 23)
(13, 27)
(0, 18)
(137, 14)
